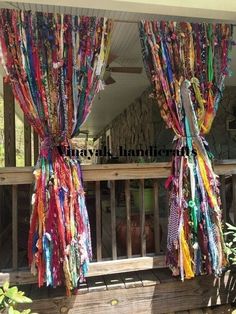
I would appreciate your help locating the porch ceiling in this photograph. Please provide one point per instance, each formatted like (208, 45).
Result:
(126, 46)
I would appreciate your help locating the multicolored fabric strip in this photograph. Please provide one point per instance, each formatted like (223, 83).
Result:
(54, 63)
(187, 64)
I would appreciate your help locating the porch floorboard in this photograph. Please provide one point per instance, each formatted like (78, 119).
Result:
(151, 291)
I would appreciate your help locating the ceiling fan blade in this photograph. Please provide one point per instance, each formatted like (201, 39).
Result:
(135, 70)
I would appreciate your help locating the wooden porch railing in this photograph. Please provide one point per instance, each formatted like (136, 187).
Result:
(14, 177)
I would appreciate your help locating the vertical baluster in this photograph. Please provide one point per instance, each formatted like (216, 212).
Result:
(223, 197)
(113, 220)
(234, 196)
(10, 128)
(14, 228)
(98, 222)
(27, 141)
(142, 217)
(36, 147)
(128, 226)
(156, 217)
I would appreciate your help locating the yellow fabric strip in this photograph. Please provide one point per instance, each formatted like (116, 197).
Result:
(206, 181)
(186, 256)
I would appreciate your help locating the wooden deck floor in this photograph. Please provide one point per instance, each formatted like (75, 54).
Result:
(152, 291)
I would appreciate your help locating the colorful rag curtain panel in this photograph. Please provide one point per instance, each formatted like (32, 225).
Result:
(187, 64)
(54, 63)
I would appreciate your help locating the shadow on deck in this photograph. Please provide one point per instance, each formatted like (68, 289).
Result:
(152, 291)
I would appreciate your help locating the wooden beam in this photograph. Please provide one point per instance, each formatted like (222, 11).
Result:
(16, 175)
(27, 141)
(125, 171)
(9, 125)
(24, 175)
(95, 269)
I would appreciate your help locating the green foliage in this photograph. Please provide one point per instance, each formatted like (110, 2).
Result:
(231, 243)
(10, 297)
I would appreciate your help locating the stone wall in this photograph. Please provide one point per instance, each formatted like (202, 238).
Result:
(141, 126)
(222, 142)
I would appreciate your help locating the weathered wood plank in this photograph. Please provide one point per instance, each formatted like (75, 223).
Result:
(196, 311)
(9, 123)
(14, 228)
(128, 222)
(156, 217)
(125, 173)
(98, 222)
(234, 196)
(95, 269)
(131, 280)
(142, 218)
(113, 220)
(96, 283)
(27, 141)
(12, 175)
(161, 298)
(148, 278)
(83, 287)
(16, 175)
(164, 275)
(114, 281)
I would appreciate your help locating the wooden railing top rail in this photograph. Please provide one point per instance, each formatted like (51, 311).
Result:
(103, 172)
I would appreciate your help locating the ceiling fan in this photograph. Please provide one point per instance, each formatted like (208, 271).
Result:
(108, 79)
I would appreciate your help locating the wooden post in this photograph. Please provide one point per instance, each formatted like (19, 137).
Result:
(36, 147)
(27, 141)
(98, 222)
(113, 220)
(234, 196)
(128, 222)
(9, 126)
(156, 217)
(142, 218)
(14, 228)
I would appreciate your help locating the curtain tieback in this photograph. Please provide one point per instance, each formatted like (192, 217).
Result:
(49, 143)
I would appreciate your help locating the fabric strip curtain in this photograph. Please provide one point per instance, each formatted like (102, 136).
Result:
(187, 64)
(54, 63)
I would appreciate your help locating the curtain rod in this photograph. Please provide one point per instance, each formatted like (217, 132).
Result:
(136, 22)
(117, 21)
